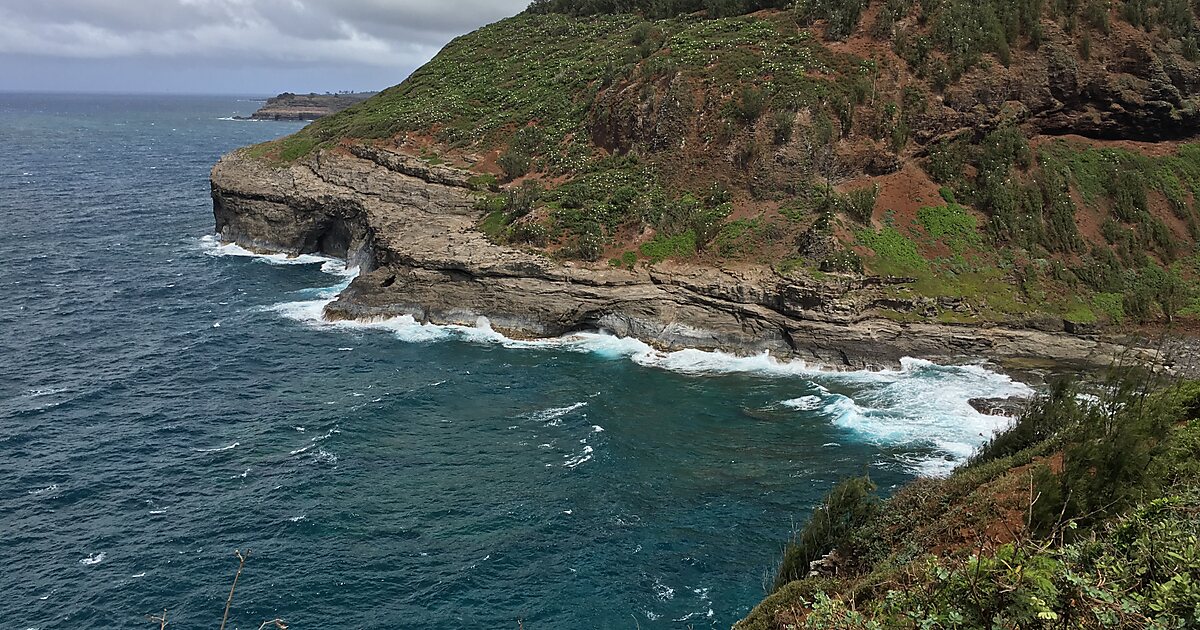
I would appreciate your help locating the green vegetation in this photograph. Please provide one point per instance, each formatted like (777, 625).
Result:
(651, 119)
(896, 254)
(483, 85)
(1124, 182)
(654, 8)
(951, 224)
(850, 505)
(1081, 515)
(627, 260)
(664, 247)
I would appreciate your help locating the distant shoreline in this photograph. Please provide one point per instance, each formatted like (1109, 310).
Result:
(305, 107)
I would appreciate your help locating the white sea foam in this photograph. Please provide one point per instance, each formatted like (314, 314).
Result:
(662, 591)
(213, 246)
(574, 461)
(218, 450)
(50, 488)
(695, 615)
(553, 416)
(95, 558)
(328, 434)
(921, 404)
(806, 403)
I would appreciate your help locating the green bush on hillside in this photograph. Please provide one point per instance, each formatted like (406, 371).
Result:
(841, 16)
(848, 506)
(1046, 417)
(654, 8)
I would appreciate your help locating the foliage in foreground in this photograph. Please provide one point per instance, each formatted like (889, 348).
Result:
(1084, 514)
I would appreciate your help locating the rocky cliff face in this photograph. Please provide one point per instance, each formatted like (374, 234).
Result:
(288, 106)
(411, 228)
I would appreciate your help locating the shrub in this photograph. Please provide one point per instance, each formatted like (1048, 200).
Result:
(749, 105)
(842, 262)
(1127, 188)
(947, 161)
(1100, 271)
(1095, 15)
(841, 16)
(1109, 466)
(782, 126)
(849, 505)
(1046, 417)
(701, 219)
(515, 163)
(860, 203)
(530, 232)
(590, 244)
(521, 200)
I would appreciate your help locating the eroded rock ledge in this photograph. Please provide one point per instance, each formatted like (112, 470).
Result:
(411, 228)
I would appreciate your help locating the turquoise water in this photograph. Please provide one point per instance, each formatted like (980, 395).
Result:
(165, 400)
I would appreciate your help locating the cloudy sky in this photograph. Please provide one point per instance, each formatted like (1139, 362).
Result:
(227, 46)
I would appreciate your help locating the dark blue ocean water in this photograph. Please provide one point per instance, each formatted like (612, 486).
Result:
(162, 404)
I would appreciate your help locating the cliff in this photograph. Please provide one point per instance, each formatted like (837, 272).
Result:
(842, 188)
(288, 106)
(411, 227)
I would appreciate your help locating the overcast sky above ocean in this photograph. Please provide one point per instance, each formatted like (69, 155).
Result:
(228, 46)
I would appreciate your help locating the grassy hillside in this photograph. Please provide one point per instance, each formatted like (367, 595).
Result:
(1013, 159)
(1083, 515)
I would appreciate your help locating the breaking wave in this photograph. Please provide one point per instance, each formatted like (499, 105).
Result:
(920, 405)
(213, 246)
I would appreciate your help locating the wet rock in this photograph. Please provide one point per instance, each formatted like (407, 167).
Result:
(1008, 407)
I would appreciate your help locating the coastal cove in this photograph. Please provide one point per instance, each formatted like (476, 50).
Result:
(168, 398)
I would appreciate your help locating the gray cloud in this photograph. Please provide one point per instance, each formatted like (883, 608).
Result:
(378, 33)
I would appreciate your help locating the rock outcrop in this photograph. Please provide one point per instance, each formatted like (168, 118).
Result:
(411, 227)
(301, 107)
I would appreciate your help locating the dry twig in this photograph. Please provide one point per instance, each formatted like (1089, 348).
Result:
(241, 565)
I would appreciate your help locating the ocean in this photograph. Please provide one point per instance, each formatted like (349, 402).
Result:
(166, 399)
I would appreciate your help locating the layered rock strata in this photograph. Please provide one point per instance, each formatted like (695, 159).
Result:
(410, 227)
